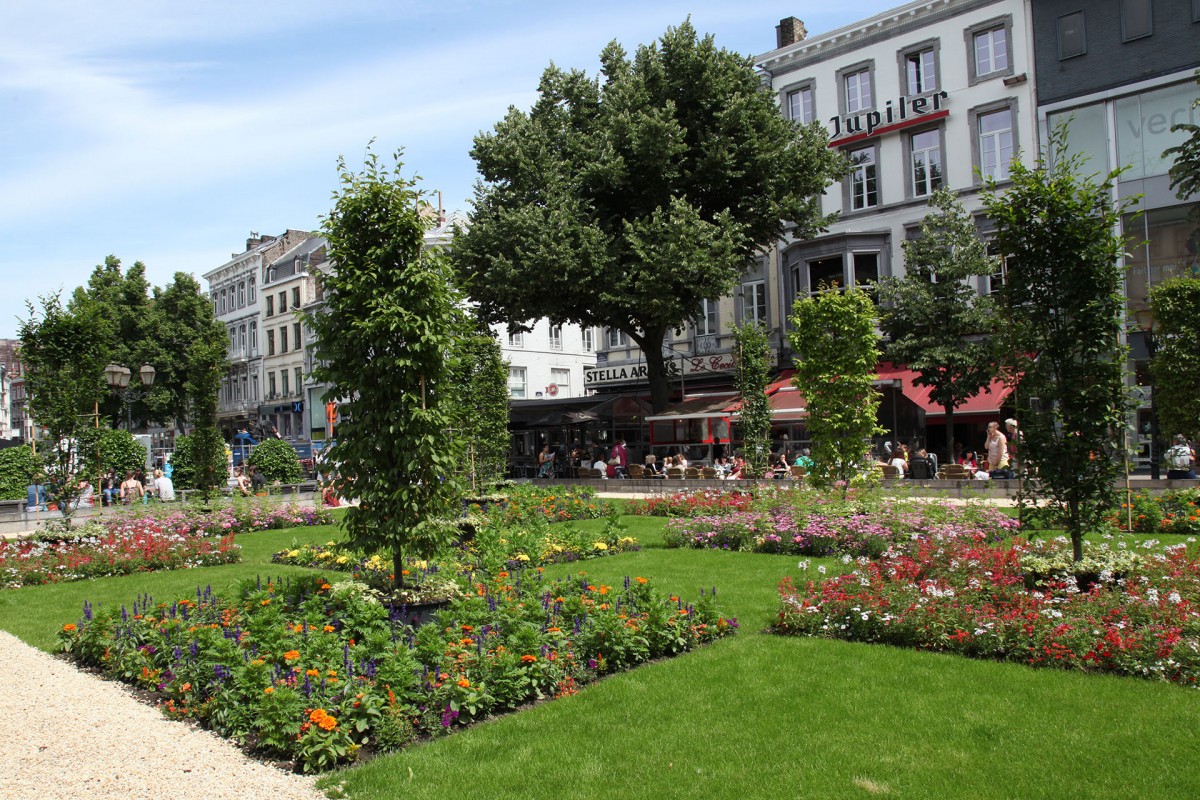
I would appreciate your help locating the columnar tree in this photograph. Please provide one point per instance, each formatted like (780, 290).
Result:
(836, 350)
(1176, 364)
(480, 402)
(1064, 314)
(935, 319)
(63, 378)
(752, 356)
(382, 343)
(208, 469)
(625, 200)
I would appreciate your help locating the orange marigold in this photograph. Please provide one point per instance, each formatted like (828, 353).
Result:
(328, 724)
(528, 659)
(291, 655)
(464, 683)
(70, 626)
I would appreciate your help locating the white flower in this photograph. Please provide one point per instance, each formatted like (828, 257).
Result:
(821, 568)
(804, 564)
(1174, 597)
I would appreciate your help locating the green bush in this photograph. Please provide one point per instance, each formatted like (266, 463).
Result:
(277, 461)
(185, 469)
(105, 449)
(17, 468)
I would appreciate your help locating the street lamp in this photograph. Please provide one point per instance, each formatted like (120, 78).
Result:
(1148, 325)
(118, 377)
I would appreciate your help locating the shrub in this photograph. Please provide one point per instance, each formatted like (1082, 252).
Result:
(277, 461)
(186, 471)
(18, 465)
(105, 449)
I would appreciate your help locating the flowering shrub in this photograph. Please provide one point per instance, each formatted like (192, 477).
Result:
(1175, 511)
(706, 503)
(313, 671)
(1017, 601)
(553, 504)
(97, 552)
(836, 529)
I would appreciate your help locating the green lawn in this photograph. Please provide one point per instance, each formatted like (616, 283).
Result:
(755, 716)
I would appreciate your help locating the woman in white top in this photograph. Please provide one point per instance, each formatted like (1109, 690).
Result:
(898, 462)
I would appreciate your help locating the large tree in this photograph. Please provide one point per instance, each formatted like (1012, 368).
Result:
(140, 324)
(383, 341)
(63, 378)
(936, 320)
(837, 349)
(625, 200)
(1063, 321)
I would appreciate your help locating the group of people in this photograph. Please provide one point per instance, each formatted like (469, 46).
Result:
(998, 460)
(248, 481)
(136, 487)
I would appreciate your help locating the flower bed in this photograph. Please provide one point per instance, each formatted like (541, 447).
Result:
(1017, 601)
(836, 530)
(312, 671)
(96, 552)
(553, 504)
(706, 503)
(240, 517)
(1170, 512)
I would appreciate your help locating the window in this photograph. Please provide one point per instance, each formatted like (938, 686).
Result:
(1072, 39)
(271, 342)
(253, 338)
(295, 297)
(241, 294)
(296, 340)
(556, 342)
(283, 348)
(516, 382)
(921, 71)
(617, 339)
(562, 379)
(271, 385)
(242, 341)
(516, 339)
(270, 306)
(926, 149)
(995, 144)
(866, 269)
(800, 105)
(251, 297)
(857, 86)
(283, 382)
(285, 420)
(589, 339)
(989, 49)
(1136, 19)
(706, 318)
(754, 302)
(283, 302)
(254, 387)
(824, 274)
(299, 379)
(864, 182)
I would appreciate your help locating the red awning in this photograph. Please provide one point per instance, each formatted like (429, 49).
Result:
(784, 381)
(788, 404)
(987, 401)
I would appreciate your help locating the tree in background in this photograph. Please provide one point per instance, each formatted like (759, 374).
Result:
(480, 402)
(140, 324)
(1063, 318)
(382, 344)
(63, 379)
(627, 200)
(1176, 364)
(836, 350)
(936, 320)
(103, 449)
(276, 460)
(752, 355)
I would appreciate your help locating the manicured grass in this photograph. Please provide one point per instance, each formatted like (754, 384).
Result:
(756, 716)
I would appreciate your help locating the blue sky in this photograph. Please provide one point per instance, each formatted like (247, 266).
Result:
(167, 132)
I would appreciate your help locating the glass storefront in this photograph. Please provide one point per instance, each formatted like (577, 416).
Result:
(1163, 243)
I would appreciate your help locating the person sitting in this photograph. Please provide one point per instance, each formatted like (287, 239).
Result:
(681, 460)
(546, 463)
(241, 483)
(780, 468)
(1180, 458)
(600, 464)
(735, 471)
(919, 466)
(651, 468)
(721, 465)
(804, 459)
(898, 462)
(131, 489)
(329, 494)
(87, 495)
(258, 483)
(164, 486)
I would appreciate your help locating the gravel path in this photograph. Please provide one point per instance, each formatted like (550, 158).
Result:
(69, 734)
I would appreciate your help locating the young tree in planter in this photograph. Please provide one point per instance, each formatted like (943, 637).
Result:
(276, 460)
(935, 318)
(752, 355)
(1176, 364)
(480, 402)
(382, 343)
(626, 200)
(63, 377)
(209, 472)
(1063, 316)
(836, 351)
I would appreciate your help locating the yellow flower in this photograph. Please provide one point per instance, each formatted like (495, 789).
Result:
(600, 546)
(522, 557)
(293, 554)
(343, 559)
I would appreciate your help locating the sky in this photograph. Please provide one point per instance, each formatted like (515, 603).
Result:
(167, 132)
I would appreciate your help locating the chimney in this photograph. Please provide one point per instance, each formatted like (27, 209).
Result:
(254, 241)
(789, 31)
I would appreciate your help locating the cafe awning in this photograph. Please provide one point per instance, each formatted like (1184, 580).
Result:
(700, 407)
(986, 403)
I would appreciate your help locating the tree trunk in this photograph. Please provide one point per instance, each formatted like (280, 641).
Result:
(397, 568)
(949, 434)
(656, 369)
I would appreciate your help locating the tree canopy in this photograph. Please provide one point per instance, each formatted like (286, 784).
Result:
(1064, 316)
(936, 320)
(624, 200)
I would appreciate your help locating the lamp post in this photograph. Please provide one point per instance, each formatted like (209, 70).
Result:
(1147, 325)
(118, 377)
